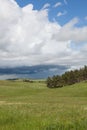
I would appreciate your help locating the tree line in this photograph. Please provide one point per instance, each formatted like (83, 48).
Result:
(68, 78)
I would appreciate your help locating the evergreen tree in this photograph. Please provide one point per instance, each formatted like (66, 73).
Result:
(49, 82)
(67, 78)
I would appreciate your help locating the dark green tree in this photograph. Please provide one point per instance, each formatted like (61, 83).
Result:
(68, 78)
(49, 82)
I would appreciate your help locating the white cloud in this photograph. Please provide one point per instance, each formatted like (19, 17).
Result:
(57, 4)
(27, 37)
(61, 13)
(70, 32)
(47, 5)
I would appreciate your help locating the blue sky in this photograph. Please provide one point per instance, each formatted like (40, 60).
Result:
(44, 33)
(72, 8)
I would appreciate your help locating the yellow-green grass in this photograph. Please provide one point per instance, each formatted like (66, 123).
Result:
(33, 106)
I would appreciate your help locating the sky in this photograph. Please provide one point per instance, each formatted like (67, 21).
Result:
(43, 32)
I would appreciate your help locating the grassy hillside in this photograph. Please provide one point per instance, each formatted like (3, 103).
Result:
(33, 106)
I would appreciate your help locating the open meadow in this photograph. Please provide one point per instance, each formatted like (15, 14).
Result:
(33, 106)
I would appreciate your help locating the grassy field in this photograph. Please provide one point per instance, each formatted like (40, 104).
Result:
(33, 106)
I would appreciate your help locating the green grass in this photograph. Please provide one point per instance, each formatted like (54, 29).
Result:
(33, 106)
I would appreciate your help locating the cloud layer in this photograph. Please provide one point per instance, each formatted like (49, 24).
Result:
(38, 71)
(27, 37)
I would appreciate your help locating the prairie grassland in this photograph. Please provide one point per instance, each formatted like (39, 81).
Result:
(33, 106)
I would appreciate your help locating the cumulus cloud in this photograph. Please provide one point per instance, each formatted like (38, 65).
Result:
(73, 33)
(57, 4)
(27, 37)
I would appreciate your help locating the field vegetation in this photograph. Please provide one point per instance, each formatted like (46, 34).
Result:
(33, 106)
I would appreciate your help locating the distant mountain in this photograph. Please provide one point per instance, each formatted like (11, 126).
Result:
(38, 71)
